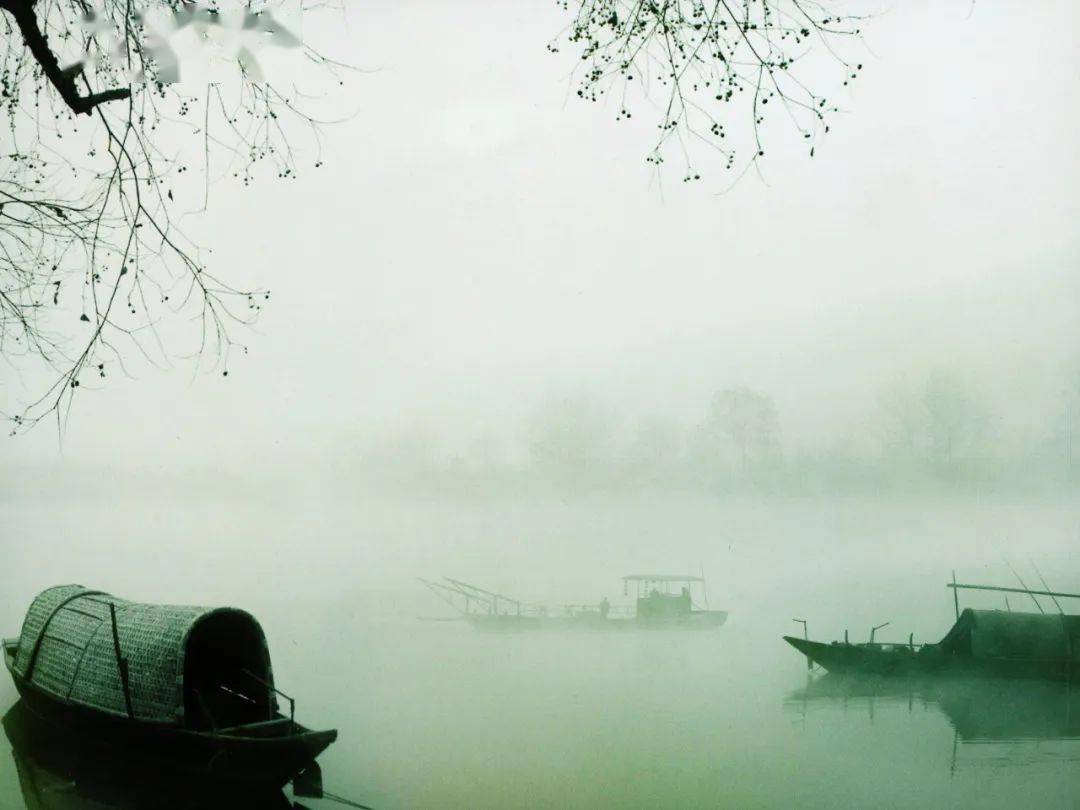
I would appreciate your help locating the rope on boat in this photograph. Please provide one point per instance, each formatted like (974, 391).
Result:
(342, 800)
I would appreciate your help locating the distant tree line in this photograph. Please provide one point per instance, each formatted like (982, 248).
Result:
(939, 431)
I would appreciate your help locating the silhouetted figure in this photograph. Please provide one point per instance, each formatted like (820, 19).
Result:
(605, 607)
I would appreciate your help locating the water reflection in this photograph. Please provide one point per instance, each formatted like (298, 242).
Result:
(994, 719)
(56, 772)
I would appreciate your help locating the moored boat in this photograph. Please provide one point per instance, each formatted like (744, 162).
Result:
(657, 605)
(981, 643)
(188, 686)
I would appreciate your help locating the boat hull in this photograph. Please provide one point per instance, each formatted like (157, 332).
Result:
(901, 661)
(62, 771)
(269, 757)
(510, 623)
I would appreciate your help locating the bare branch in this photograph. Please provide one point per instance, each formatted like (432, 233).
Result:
(93, 267)
(63, 79)
(712, 61)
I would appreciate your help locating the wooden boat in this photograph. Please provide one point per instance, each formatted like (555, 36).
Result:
(59, 771)
(657, 606)
(187, 686)
(981, 644)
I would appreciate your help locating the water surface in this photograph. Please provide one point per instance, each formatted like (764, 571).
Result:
(435, 714)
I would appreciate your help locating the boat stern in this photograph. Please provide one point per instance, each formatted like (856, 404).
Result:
(275, 759)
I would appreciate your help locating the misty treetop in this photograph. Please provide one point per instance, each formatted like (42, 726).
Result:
(749, 419)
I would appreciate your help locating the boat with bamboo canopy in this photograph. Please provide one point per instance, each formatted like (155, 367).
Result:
(190, 686)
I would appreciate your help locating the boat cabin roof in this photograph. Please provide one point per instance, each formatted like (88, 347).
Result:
(1003, 634)
(182, 663)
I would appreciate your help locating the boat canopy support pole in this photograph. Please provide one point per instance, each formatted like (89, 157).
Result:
(28, 674)
(121, 662)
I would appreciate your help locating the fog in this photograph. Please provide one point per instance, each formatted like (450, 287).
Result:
(500, 347)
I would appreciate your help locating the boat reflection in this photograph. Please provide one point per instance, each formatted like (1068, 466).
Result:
(978, 710)
(58, 773)
(994, 719)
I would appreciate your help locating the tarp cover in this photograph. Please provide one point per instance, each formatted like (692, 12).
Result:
(67, 647)
(1001, 634)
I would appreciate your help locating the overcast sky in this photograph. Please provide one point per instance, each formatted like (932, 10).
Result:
(479, 238)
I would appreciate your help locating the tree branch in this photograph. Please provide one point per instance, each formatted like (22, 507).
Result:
(62, 79)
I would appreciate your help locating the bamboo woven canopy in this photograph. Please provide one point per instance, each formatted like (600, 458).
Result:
(79, 646)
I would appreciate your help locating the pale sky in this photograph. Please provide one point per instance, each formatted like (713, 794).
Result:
(479, 237)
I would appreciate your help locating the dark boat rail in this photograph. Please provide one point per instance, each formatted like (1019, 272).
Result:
(274, 690)
(910, 644)
(890, 645)
(594, 609)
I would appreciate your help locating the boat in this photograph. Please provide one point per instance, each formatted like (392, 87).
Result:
(189, 687)
(980, 644)
(661, 601)
(59, 772)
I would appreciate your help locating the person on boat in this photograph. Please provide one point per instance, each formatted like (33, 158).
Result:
(687, 604)
(605, 607)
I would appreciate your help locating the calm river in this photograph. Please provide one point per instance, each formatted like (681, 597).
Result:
(437, 715)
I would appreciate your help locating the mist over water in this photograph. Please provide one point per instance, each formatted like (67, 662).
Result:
(501, 348)
(437, 714)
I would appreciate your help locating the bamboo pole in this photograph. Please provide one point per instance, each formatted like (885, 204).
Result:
(495, 597)
(955, 598)
(1025, 587)
(1011, 590)
(1045, 585)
